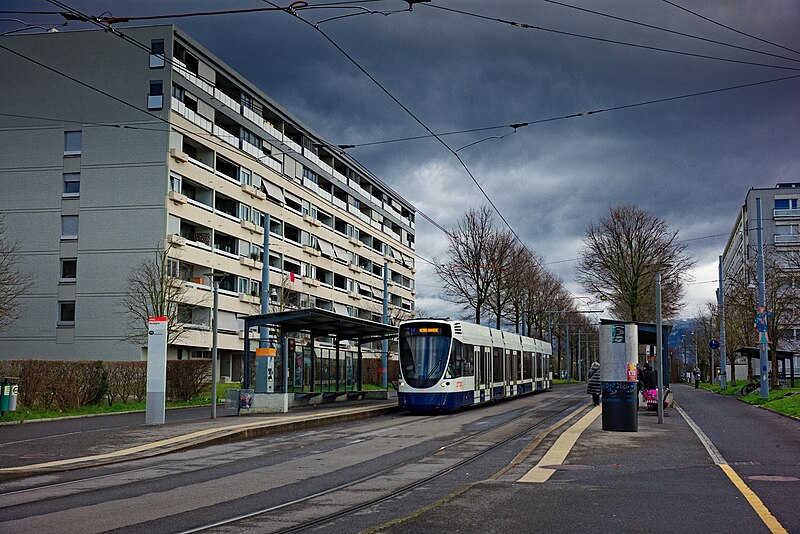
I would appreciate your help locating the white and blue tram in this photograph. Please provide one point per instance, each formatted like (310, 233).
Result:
(446, 365)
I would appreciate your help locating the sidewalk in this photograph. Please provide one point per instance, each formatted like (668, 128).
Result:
(658, 479)
(81, 442)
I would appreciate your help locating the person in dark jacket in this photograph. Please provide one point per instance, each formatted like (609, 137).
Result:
(593, 387)
(648, 378)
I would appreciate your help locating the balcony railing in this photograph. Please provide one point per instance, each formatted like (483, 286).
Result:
(226, 136)
(292, 145)
(253, 150)
(228, 101)
(181, 109)
(181, 69)
(785, 213)
(787, 239)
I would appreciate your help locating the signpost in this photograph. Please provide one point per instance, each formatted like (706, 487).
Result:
(156, 371)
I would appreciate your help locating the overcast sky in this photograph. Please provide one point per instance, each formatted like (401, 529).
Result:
(689, 161)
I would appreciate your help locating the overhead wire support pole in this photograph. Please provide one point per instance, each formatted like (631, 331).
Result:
(723, 363)
(762, 305)
(659, 349)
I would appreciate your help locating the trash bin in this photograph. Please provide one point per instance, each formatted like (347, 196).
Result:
(232, 399)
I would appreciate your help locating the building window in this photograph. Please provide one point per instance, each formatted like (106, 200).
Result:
(72, 143)
(69, 270)
(66, 312)
(244, 286)
(785, 203)
(175, 183)
(156, 53)
(69, 227)
(245, 176)
(244, 212)
(155, 98)
(72, 184)
(258, 218)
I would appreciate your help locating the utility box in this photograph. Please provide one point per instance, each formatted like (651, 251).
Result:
(9, 390)
(618, 353)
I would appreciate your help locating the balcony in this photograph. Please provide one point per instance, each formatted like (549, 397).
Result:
(228, 101)
(785, 213)
(315, 159)
(226, 136)
(181, 69)
(292, 145)
(181, 109)
(787, 239)
(253, 150)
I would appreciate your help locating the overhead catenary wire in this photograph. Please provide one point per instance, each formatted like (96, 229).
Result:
(731, 28)
(667, 30)
(577, 115)
(527, 26)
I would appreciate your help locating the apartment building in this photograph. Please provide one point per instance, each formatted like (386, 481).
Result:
(780, 221)
(114, 147)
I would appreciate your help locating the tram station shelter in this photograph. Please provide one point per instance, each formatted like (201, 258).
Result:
(786, 367)
(313, 372)
(647, 336)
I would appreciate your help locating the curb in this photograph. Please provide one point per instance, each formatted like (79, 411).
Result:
(87, 415)
(228, 434)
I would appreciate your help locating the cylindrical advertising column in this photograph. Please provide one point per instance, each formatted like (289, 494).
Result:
(619, 344)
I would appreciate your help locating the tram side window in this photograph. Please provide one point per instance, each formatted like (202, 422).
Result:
(468, 354)
(539, 366)
(527, 360)
(497, 365)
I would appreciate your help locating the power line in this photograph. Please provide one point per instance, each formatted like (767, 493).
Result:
(675, 32)
(581, 114)
(730, 28)
(604, 40)
(412, 115)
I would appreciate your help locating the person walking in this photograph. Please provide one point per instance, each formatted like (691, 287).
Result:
(593, 386)
(696, 374)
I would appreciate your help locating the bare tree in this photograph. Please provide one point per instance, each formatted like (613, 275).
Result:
(621, 255)
(504, 260)
(155, 289)
(465, 275)
(13, 282)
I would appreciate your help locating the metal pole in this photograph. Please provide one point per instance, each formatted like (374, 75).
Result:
(580, 358)
(762, 305)
(385, 342)
(262, 364)
(723, 359)
(659, 350)
(215, 283)
(569, 355)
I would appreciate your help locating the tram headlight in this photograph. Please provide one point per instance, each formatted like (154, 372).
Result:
(444, 384)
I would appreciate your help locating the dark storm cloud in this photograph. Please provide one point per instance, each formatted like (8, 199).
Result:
(688, 161)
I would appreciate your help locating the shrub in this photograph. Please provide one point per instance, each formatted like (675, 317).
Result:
(187, 378)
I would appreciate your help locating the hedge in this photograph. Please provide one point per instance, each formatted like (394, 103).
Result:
(54, 384)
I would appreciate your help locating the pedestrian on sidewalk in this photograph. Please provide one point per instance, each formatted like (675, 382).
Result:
(696, 374)
(593, 387)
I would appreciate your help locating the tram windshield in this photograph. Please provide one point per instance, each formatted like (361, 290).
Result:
(423, 353)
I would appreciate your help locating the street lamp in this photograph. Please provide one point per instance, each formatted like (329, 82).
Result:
(216, 278)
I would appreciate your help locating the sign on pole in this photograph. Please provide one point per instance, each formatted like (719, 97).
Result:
(156, 371)
(713, 344)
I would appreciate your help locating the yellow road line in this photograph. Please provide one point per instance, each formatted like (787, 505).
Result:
(560, 449)
(766, 516)
(230, 429)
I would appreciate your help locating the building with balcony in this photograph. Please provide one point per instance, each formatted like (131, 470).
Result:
(117, 147)
(780, 221)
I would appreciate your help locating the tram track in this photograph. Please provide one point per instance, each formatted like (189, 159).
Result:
(214, 460)
(545, 425)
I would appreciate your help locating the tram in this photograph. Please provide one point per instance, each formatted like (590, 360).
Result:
(447, 365)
